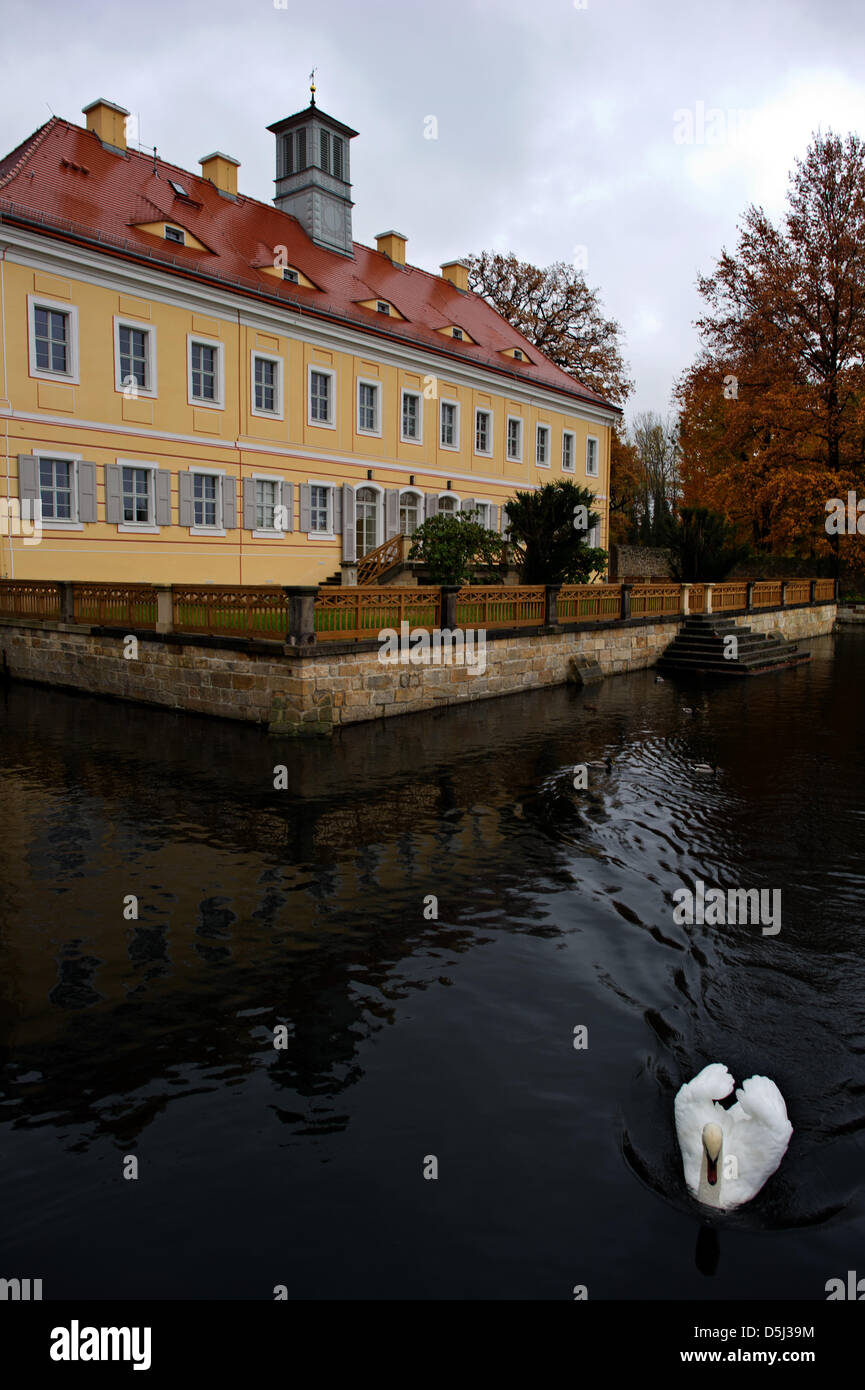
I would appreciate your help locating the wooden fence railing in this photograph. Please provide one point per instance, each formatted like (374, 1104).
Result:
(766, 593)
(30, 598)
(383, 558)
(225, 610)
(697, 599)
(362, 611)
(114, 605)
(346, 612)
(798, 591)
(726, 597)
(491, 606)
(648, 599)
(586, 603)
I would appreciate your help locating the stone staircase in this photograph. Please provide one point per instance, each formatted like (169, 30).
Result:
(699, 650)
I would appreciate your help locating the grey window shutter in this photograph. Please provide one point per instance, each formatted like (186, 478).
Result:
(28, 478)
(229, 504)
(249, 504)
(113, 493)
(467, 504)
(86, 491)
(337, 511)
(432, 504)
(185, 508)
(288, 504)
(304, 506)
(349, 535)
(163, 497)
(391, 512)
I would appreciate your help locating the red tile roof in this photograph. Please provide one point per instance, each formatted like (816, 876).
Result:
(103, 198)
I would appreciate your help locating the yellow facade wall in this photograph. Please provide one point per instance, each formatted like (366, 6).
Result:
(94, 420)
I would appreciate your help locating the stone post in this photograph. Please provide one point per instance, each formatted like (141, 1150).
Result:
(349, 571)
(301, 614)
(708, 607)
(626, 601)
(67, 601)
(164, 608)
(783, 593)
(812, 592)
(551, 605)
(749, 595)
(837, 590)
(686, 600)
(448, 618)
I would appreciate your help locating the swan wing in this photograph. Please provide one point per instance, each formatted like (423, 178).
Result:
(695, 1107)
(756, 1135)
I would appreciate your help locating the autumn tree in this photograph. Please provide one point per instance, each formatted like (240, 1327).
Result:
(560, 315)
(773, 410)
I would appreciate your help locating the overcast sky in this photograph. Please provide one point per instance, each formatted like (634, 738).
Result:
(557, 124)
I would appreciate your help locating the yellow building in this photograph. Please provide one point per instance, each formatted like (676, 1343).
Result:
(198, 387)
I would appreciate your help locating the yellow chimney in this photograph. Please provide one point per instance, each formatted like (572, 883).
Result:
(392, 244)
(108, 121)
(457, 273)
(221, 170)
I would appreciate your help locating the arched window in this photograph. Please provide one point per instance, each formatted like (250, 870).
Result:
(409, 512)
(449, 503)
(366, 512)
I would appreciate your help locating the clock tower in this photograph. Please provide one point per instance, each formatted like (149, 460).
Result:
(313, 180)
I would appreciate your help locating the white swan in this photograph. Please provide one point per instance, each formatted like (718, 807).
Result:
(729, 1154)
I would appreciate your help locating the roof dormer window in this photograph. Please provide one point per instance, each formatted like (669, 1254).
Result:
(291, 275)
(457, 332)
(518, 355)
(175, 234)
(382, 306)
(178, 188)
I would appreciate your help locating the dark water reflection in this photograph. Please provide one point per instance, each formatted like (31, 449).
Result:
(409, 1037)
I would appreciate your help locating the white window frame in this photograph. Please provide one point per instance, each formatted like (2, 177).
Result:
(407, 438)
(264, 534)
(148, 528)
(593, 536)
(121, 321)
(38, 301)
(569, 434)
(488, 452)
(484, 502)
(455, 495)
(593, 438)
(278, 413)
(330, 487)
(374, 382)
(59, 523)
(412, 492)
(455, 447)
(330, 423)
(219, 528)
(379, 511)
(204, 341)
(509, 457)
(549, 439)
(174, 240)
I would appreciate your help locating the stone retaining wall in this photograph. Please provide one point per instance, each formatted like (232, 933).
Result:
(313, 690)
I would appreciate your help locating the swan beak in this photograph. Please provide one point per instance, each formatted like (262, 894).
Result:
(713, 1138)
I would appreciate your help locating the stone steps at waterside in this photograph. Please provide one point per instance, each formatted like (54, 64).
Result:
(703, 647)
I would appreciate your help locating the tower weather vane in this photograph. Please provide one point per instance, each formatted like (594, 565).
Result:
(312, 88)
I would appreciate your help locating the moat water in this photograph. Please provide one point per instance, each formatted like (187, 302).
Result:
(410, 1037)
